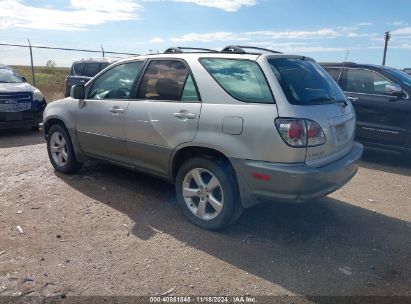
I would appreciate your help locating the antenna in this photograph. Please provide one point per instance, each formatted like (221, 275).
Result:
(346, 56)
(344, 63)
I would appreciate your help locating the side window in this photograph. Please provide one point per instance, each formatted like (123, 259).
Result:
(366, 81)
(167, 80)
(117, 82)
(242, 79)
(189, 91)
(335, 73)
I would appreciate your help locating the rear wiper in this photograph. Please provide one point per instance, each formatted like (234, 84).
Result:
(328, 99)
(322, 99)
(343, 102)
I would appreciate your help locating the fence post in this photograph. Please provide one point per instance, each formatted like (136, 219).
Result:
(102, 50)
(32, 66)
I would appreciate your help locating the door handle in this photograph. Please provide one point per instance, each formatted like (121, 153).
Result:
(116, 110)
(352, 99)
(184, 114)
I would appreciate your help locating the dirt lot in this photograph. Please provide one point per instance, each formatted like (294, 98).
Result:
(109, 231)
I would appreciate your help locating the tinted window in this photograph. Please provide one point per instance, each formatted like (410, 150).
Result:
(92, 69)
(400, 75)
(189, 91)
(103, 65)
(117, 82)
(366, 81)
(242, 79)
(304, 82)
(164, 80)
(78, 69)
(8, 76)
(335, 73)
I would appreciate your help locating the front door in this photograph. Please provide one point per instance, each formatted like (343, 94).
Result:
(164, 115)
(100, 118)
(377, 120)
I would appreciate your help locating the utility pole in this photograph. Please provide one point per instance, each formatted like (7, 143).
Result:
(32, 65)
(386, 38)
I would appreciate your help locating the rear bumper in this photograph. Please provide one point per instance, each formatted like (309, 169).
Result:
(294, 182)
(24, 120)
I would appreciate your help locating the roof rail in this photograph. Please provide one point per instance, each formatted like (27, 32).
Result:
(338, 63)
(239, 49)
(180, 49)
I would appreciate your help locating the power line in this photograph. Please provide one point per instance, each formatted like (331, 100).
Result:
(67, 49)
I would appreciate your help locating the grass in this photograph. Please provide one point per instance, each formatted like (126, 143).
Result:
(50, 81)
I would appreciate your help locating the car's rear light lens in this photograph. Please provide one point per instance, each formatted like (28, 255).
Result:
(315, 134)
(300, 132)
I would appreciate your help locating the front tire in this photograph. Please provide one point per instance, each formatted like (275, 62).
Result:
(208, 193)
(60, 150)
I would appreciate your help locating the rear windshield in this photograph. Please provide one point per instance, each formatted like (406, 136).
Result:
(89, 69)
(304, 82)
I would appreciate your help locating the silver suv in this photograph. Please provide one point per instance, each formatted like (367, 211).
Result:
(229, 129)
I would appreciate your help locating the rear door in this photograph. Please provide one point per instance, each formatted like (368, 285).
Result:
(100, 118)
(380, 117)
(164, 115)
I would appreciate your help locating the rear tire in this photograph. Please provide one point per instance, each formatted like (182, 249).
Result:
(208, 193)
(60, 151)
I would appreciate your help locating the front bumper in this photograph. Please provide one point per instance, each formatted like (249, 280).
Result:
(26, 119)
(293, 182)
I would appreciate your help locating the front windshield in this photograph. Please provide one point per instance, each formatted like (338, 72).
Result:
(304, 82)
(402, 76)
(8, 76)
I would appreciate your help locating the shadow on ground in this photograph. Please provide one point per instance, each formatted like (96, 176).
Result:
(387, 161)
(20, 137)
(324, 248)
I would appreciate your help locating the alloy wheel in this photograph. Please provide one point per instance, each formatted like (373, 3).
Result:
(203, 193)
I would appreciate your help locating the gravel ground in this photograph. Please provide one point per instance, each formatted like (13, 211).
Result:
(109, 231)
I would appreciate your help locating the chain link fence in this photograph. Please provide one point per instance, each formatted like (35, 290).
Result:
(47, 67)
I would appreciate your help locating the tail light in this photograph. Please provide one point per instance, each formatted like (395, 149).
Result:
(300, 132)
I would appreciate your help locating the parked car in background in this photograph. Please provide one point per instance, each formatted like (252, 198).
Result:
(83, 70)
(408, 71)
(381, 98)
(21, 104)
(229, 129)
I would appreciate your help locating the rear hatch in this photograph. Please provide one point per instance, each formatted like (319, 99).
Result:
(311, 95)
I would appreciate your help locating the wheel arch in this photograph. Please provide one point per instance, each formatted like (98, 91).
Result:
(59, 121)
(53, 121)
(184, 153)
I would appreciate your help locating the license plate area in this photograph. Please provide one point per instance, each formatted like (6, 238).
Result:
(341, 134)
(14, 116)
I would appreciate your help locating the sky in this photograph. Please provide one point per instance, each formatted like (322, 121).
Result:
(323, 30)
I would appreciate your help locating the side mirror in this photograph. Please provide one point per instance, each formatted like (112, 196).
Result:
(78, 92)
(394, 90)
(23, 78)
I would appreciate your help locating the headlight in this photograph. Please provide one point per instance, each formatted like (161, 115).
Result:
(37, 95)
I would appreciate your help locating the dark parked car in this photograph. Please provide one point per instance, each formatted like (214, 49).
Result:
(83, 70)
(21, 105)
(381, 98)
